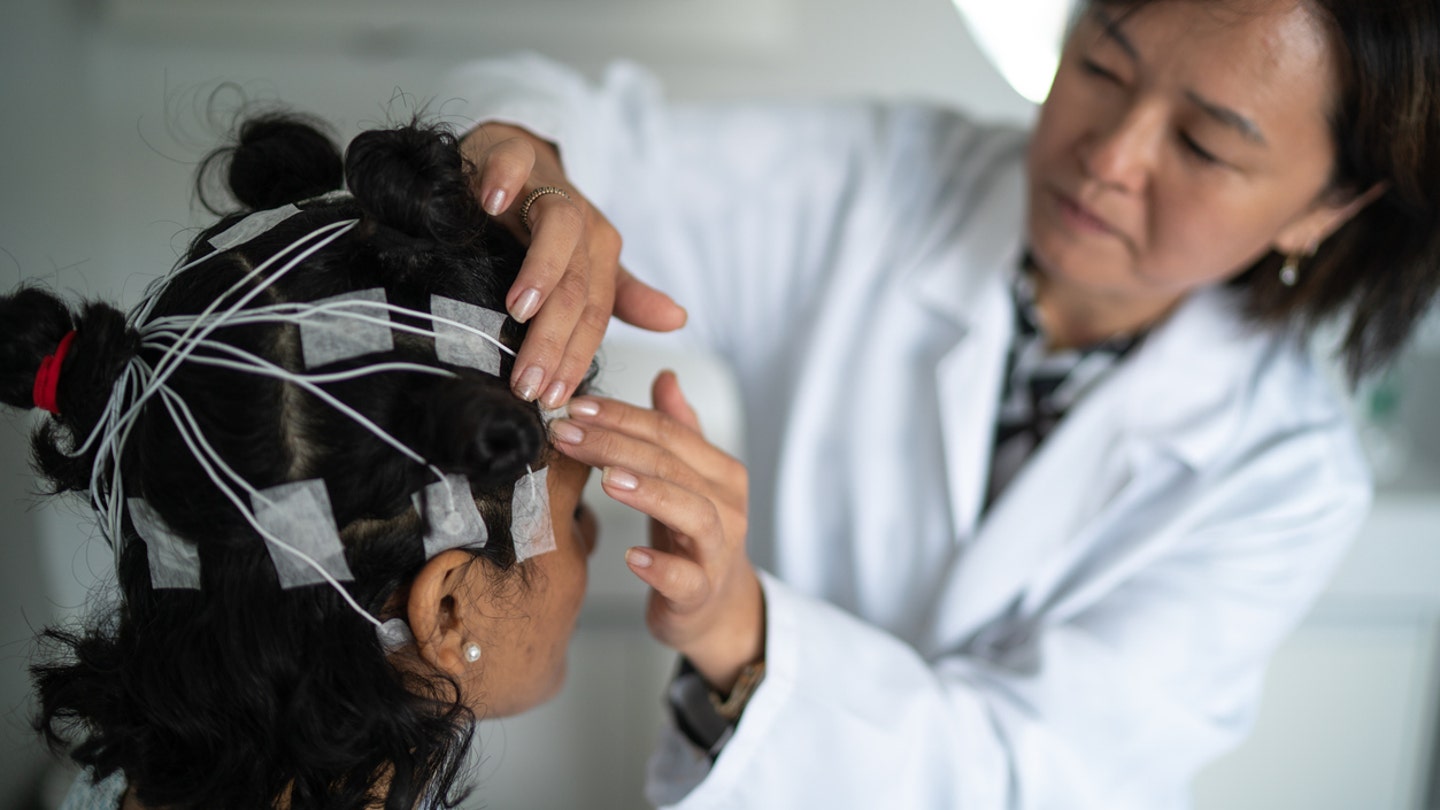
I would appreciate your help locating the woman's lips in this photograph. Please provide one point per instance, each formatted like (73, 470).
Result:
(1079, 218)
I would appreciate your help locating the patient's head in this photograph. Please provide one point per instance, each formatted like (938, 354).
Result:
(284, 441)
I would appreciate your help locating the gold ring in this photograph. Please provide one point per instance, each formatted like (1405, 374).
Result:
(532, 197)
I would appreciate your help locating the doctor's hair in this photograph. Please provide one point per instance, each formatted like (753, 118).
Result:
(1380, 271)
(241, 693)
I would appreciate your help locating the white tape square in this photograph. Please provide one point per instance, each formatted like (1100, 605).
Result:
(329, 337)
(252, 226)
(530, 523)
(174, 563)
(461, 347)
(299, 514)
(451, 517)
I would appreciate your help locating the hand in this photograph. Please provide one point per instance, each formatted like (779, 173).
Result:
(705, 598)
(571, 278)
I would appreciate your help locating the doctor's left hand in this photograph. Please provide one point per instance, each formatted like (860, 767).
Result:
(705, 600)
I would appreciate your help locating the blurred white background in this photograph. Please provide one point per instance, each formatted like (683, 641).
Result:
(107, 106)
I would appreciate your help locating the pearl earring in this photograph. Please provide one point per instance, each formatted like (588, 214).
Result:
(1290, 270)
(472, 652)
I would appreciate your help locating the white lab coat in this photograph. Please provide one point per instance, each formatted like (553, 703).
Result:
(1100, 632)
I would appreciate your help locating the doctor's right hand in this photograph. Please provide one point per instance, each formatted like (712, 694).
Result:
(705, 600)
(571, 278)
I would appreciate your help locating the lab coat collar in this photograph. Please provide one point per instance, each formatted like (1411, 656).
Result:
(978, 249)
(965, 280)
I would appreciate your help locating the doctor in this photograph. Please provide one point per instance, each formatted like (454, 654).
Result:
(1042, 471)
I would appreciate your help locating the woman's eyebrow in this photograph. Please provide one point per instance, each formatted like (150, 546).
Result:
(1224, 115)
(1111, 29)
(1228, 117)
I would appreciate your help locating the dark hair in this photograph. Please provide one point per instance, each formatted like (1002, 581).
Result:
(240, 692)
(1380, 270)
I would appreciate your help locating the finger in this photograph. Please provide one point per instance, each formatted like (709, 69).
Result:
(670, 400)
(681, 582)
(697, 530)
(598, 446)
(556, 224)
(503, 167)
(579, 353)
(589, 328)
(658, 429)
(639, 304)
(543, 349)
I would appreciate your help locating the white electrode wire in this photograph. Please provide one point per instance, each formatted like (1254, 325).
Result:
(171, 361)
(193, 437)
(123, 406)
(168, 363)
(152, 295)
(330, 377)
(297, 312)
(266, 368)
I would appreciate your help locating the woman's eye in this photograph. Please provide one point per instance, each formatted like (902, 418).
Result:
(1200, 152)
(1094, 68)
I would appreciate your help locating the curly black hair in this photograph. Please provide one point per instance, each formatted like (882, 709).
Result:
(241, 692)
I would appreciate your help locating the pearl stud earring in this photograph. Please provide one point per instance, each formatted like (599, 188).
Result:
(472, 652)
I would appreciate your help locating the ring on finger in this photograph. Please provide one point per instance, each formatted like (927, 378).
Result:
(535, 195)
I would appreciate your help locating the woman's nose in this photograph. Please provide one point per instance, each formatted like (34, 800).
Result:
(1122, 153)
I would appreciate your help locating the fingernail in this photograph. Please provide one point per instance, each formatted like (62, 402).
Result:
(584, 407)
(525, 305)
(567, 431)
(495, 202)
(620, 479)
(554, 397)
(639, 557)
(529, 383)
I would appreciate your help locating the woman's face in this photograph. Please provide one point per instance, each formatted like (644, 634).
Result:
(1179, 144)
(528, 622)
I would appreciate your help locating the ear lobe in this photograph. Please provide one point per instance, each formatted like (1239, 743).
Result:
(436, 610)
(1305, 234)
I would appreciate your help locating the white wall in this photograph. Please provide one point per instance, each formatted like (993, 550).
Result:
(106, 103)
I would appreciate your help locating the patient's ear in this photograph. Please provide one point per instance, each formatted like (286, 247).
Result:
(438, 606)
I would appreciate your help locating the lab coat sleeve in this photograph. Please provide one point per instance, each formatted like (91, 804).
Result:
(739, 211)
(1116, 705)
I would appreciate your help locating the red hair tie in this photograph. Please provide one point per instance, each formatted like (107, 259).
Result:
(47, 379)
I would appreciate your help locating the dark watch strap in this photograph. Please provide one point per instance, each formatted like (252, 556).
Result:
(707, 720)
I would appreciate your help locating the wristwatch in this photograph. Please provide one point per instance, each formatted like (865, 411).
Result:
(730, 707)
(706, 719)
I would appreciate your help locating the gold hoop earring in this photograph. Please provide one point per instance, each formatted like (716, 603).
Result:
(1290, 270)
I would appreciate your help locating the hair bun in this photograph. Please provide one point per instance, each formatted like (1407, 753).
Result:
(476, 426)
(282, 159)
(414, 180)
(32, 324)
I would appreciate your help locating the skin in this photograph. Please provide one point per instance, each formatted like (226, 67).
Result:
(523, 626)
(1178, 145)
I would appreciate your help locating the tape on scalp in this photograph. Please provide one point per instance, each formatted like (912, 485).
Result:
(174, 563)
(530, 524)
(299, 513)
(329, 336)
(462, 347)
(452, 520)
(252, 226)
